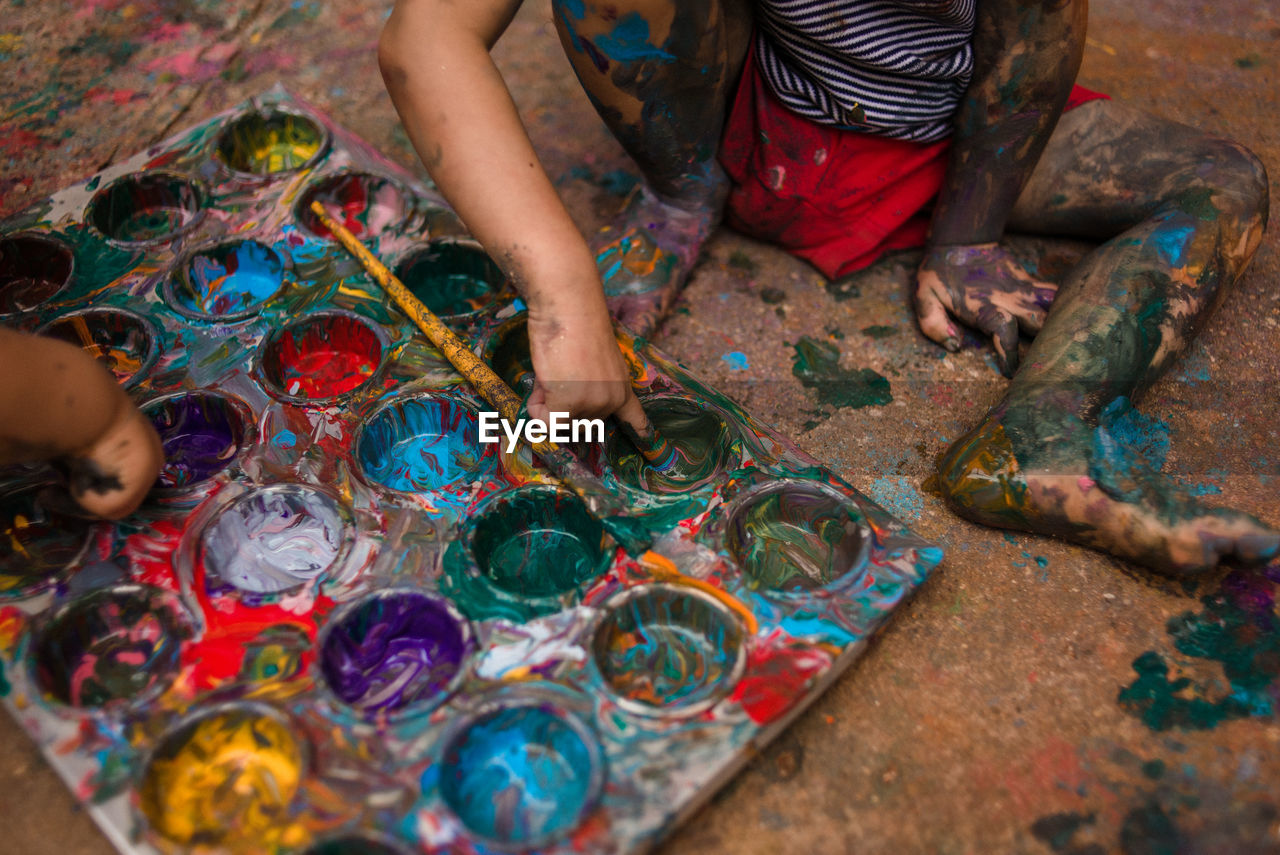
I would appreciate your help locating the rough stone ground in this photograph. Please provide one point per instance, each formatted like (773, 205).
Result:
(987, 718)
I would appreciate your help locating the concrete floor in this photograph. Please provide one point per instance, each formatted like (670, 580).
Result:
(987, 718)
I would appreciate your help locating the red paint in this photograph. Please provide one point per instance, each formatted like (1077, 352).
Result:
(778, 673)
(329, 356)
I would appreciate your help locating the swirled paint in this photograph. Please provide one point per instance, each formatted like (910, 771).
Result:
(419, 444)
(107, 646)
(795, 538)
(322, 357)
(520, 775)
(698, 436)
(270, 142)
(226, 776)
(453, 278)
(668, 649)
(33, 268)
(365, 204)
(275, 539)
(145, 207)
(537, 542)
(396, 650)
(200, 433)
(229, 280)
(119, 340)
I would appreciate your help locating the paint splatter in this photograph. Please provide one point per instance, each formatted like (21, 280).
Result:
(817, 365)
(898, 496)
(1240, 630)
(737, 360)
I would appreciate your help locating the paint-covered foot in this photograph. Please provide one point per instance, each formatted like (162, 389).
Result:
(645, 259)
(1081, 484)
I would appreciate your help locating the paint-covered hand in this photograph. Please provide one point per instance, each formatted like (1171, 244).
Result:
(982, 286)
(577, 366)
(110, 478)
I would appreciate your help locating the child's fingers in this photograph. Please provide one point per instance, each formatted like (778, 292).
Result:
(1002, 326)
(111, 477)
(931, 311)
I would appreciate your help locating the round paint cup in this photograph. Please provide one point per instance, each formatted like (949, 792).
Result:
(453, 277)
(321, 358)
(275, 540)
(226, 281)
(365, 203)
(146, 208)
(535, 543)
(202, 433)
(357, 843)
(269, 142)
(223, 777)
(112, 647)
(423, 442)
(521, 774)
(795, 538)
(396, 652)
(124, 341)
(34, 268)
(702, 439)
(506, 351)
(668, 650)
(41, 545)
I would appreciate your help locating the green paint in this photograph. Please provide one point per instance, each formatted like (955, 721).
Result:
(1148, 830)
(5, 686)
(879, 331)
(1238, 629)
(817, 365)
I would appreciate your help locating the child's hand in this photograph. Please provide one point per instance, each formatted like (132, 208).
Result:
(577, 363)
(110, 478)
(985, 288)
(58, 404)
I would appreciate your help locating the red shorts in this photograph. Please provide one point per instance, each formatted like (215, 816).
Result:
(835, 197)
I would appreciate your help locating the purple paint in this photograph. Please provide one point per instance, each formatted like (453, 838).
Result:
(396, 651)
(201, 433)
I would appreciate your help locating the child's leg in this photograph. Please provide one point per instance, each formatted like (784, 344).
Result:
(1184, 213)
(660, 73)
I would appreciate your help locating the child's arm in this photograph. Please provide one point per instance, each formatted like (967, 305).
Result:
(457, 111)
(1025, 60)
(57, 403)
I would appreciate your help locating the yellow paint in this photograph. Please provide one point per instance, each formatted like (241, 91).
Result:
(10, 42)
(664, 569)
(233, 779)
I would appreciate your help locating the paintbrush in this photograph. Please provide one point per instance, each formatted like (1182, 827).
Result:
(603, 504)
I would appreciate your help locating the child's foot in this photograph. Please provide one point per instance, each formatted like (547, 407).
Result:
(1079, 485)
(647, 256)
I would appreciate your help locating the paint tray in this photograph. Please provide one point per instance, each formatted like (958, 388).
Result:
(340, 623)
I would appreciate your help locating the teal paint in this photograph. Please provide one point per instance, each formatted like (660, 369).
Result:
(817, 365)
(1240, 630)
(629, 42)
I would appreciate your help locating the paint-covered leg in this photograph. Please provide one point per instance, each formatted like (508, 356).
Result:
(1058, 454)
(660, 74)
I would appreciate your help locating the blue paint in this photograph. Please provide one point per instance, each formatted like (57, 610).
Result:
(285, 438)
(519, 775)
(420, 445)
(629, 42)
(737, 360)
(898, 496)
(1171, 243)
(1126, 443)
(232, 278)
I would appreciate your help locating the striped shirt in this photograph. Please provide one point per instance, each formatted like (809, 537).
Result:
(897, 68)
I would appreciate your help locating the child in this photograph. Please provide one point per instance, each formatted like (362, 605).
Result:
(59, 404)
(829, 126)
